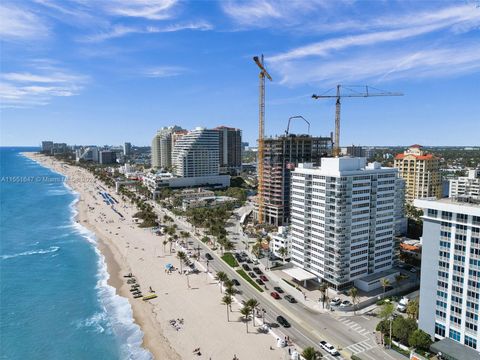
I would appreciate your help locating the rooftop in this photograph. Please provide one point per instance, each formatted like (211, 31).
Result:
(453, 350)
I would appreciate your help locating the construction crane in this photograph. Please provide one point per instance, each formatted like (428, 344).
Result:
(296, 117)
(261, 125)
(352, 93)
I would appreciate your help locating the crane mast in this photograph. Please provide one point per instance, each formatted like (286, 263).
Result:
(352, 93)
(261, 125)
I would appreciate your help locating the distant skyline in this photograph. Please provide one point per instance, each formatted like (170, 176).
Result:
(109, 72)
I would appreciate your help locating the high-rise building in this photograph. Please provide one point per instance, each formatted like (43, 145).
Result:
(281, 155)
(230, 150)
(47, 147)
(162, 147)
(421, 172)
(468, 186)
(343, 219)
(107, 157)
(450, 276)
(127, 149)
(196, 153)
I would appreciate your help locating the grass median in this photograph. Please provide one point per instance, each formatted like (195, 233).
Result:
(230, 260)
(244, 275)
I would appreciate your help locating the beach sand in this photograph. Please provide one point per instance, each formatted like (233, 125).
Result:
(128, 248)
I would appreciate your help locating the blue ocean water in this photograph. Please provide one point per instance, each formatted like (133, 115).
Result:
(55, 302)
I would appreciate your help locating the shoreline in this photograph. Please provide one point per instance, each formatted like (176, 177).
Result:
(202, 322)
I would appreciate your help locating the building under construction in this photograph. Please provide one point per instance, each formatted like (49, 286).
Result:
(281, 155)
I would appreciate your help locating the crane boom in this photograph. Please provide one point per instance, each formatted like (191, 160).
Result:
(296, 117)
(353, 93)
(261, 125)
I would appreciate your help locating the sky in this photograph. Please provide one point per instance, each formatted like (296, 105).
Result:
(111, 71)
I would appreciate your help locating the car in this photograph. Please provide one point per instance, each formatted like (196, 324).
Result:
(290, 299)
(235, 282)
(278, 289)
(345, 303)
(263, 277)
(259, 282)
(252, 274)
(246, 267)
(248, 260)
(329, 348)
(335, 302)
(208, 256)
(257, 271)
(275, 295)
(282, 321)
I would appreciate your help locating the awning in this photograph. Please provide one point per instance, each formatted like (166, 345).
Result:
(299, 274)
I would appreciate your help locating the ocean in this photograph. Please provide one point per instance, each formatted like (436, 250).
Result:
(55, 302)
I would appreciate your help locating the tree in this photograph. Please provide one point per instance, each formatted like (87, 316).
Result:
(227, 300)
(221, 277)
(420, 339)
(323, 290)
(402, 328)
(245, 311)
(354, 296)
(182, 257)
(252, 304)
(165, 242)
(310, 353)
(385, 283)
(412, 309)
(387, 310)
(283, 251)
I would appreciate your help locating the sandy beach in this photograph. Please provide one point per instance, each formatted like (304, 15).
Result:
(128, 248)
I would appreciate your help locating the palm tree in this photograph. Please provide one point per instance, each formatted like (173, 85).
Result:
(170, 241)
(310, 353)
(227, 300)
(252, 304)
(283, 251)
(221, 277)
(354, 296)
(165, 242)
(385, 283)
(412, 309)
(245, 311)
(182, 257)
(256, 249)
(323, 290)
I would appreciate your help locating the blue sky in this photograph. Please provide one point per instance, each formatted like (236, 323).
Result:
(105, 72)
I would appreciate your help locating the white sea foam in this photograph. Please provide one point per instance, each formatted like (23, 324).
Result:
(51, 249)
(57, 192)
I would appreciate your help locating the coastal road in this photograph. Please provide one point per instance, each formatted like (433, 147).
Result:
(308, 326)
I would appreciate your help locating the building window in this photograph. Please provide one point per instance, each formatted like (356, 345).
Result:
(454, 335)
(440, 329)
(470, 342)
(432, 213)
(462, 218)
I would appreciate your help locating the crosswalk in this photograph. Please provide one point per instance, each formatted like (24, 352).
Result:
(354, 326)
(361, 346)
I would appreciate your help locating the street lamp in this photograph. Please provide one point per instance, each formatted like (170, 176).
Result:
(263, 315)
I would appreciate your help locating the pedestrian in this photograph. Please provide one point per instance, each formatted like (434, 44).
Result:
(289, 351)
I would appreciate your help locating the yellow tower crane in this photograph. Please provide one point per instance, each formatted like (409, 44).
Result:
(352, 93)
(261, 124)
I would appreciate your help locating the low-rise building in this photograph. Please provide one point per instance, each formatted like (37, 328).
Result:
(468, 186)
(281, 239)
(208, 201)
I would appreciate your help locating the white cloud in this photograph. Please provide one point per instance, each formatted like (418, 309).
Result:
(28, 89)
(21, 24)
(122, 30)
(148, 9)
(165, 71)
(380, 66)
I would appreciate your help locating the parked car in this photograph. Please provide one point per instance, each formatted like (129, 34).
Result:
(290, 299)
(246, 267)
(278, 289)
(208, 256)
(259, 282)
(345, 303)
(335, 302)
(248, 260)
(275, 295)
(252, 274)
(263, 277)
(329, 348)
(257, 271)
(282, 321)
(235, 282)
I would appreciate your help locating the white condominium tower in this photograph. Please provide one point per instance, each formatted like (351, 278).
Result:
(196, 154)
(162, 147)
(343, 218)
(466, 185)
(450, 280)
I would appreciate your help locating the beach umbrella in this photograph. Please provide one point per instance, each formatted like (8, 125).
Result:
(168, 266)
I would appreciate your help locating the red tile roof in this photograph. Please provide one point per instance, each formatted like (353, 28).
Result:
(417, 157)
